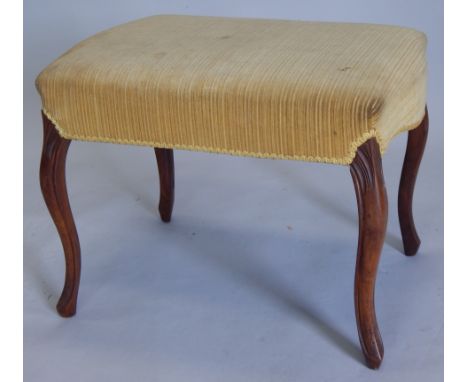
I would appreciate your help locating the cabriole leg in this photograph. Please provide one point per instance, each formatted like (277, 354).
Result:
(414, 152)
(54, 190)
(366, 171)
(165, 159)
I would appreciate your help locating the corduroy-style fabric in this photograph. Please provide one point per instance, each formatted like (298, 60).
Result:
(309, 91)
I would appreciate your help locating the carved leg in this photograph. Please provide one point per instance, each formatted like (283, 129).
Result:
(366, 170)
(414, 152)
(54, 190)
(165, 159)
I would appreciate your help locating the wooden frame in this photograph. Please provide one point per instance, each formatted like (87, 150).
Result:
(414, 151)
(368, 179)
(54, 190)
(165, 160)
(366, 171)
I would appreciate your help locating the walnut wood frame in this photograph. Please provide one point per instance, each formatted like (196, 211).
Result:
(368, 179)
(414, 152)
(165, 160)
(54, 190)
(366, 171)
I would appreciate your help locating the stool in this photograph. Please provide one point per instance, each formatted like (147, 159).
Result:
(310, 91)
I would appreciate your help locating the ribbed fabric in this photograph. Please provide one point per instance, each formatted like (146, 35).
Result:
(309, 91)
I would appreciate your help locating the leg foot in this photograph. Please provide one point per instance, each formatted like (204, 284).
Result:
(54, 190)
(414, 152)
(165, 159)
(366, 171)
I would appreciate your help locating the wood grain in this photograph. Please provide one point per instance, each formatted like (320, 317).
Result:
(54, 190)
(414, 152)
(366, 171)
(368, 179)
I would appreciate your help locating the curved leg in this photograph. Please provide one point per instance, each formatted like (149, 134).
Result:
(165, 159)
(414, 152)
(366, 170)
(54, 190)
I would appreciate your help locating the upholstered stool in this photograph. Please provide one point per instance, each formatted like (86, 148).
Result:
(309, 91)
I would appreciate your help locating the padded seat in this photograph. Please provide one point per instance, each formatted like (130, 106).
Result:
(324, 92)
(268, 88)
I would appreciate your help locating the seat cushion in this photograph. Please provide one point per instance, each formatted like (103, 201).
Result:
(308, 91)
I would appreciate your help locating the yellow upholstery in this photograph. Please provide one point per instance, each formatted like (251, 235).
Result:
(268, 88)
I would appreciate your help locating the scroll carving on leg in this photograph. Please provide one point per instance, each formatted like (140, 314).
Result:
(414, 152)
(54, 190)
(165, 159)
(366, 171)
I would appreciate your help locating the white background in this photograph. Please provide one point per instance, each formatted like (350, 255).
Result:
(253, 278)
